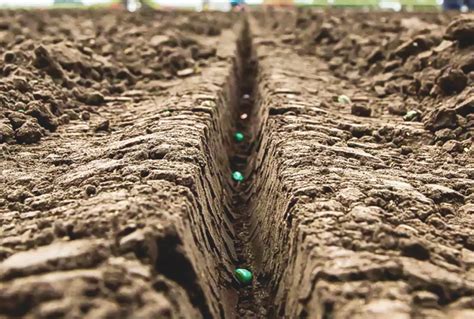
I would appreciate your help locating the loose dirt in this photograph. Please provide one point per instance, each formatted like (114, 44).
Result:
(117, 154)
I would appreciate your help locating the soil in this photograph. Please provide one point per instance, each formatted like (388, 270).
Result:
(117, 153)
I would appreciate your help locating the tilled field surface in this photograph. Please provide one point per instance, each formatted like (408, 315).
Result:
(117, 197)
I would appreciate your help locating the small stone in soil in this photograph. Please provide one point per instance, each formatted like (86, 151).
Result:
(239, 136)
(246, 96)
(237, 176)
(344, 99)
(411, 115)
(243, 116)
(244, 276)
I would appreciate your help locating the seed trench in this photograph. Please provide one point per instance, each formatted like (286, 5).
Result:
(251, 294)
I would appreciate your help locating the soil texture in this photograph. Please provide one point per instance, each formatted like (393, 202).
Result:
(119, 197)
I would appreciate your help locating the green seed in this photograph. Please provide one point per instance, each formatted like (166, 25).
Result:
(243, 275)
(344, 99)
(410, 115)
(237, 176)
(239, 136)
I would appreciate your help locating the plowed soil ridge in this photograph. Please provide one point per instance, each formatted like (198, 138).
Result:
(350, 225)
(128, 221)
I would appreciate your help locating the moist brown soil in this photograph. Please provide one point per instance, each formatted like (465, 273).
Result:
(117, 149)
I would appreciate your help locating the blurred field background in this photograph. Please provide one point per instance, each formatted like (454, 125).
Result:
(224, 5)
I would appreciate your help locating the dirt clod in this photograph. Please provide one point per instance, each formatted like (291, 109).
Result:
(452, 81)
(95, 98)
(9, 57)
(6, 132)
(440, 119)
(462, 30)
(361, 110)
(86, 116)
(28, 133)
(103, 125)
(42, 113)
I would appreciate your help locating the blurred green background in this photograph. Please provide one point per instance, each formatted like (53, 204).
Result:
(224, 5)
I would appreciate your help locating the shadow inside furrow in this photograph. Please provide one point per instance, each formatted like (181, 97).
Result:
(247, 121)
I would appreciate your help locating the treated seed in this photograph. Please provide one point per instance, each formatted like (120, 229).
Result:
(239, 136)
(243, 116)
(237, 176)
(411, 115)
(344, 99)
(244, 276)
